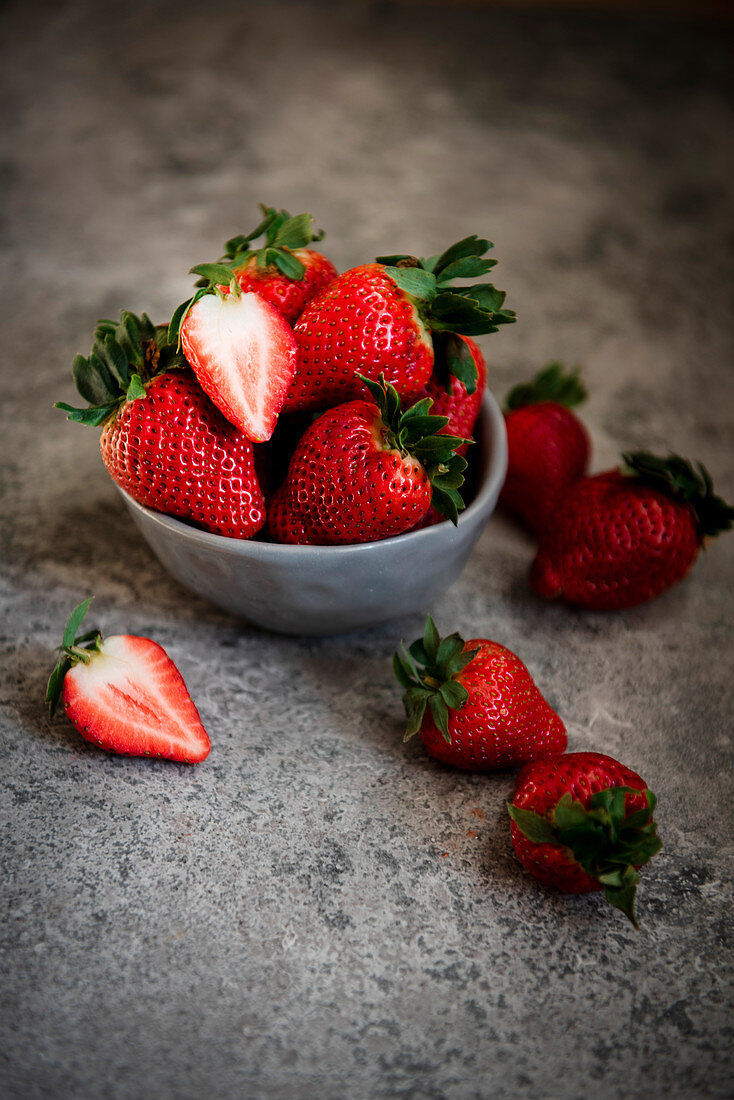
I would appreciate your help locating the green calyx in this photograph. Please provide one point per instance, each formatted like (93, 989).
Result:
(553, 383)
(283, 234)
(415, 432)
(429, 670)
(125, 356)
(469, 310)
(607, 842)
(73, 649)
(677, 477)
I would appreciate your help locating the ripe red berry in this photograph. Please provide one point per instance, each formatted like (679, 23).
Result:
(617, 540)
(583, 822)
(474, 703)
(547, 445)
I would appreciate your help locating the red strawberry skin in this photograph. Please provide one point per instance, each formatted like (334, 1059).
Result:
(614, 543)
(461, 408)
(504, 722)
(343, 487)
(130, 698)
(173, 451)
(361, 322)
(548, 450)
(288, 296)
(539, 787)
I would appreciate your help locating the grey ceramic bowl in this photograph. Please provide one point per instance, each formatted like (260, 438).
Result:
(331, 589)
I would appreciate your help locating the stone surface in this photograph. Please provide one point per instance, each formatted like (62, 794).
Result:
(318, 910)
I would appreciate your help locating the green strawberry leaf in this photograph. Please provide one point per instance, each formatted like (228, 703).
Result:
(414, 281)
(553, 383)
(429, 669)
(74, 622)
(440, 713)
(468, 246)
(295, 232)
(536, 828)
(218, 274)
(289, 265)
(676, 477)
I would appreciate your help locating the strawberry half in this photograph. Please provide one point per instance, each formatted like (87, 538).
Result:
(583, 822)
(125, 694)
(242, 351)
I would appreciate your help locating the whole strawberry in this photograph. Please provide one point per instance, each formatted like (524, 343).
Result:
(125, 694)
(474, 703)
(283, 270)
(583, 822)
(162, 439)
(621, 538)
(379, 318)
(547, 445)
(365, 470)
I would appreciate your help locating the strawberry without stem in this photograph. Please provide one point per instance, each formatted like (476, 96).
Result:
(583, 822)
(366, 471)
(162, 439)
(378, 319)
(619, 539)
(474, 703)
(126, 695)
(547, 445)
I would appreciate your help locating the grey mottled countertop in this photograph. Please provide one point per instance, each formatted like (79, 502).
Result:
(318, 911)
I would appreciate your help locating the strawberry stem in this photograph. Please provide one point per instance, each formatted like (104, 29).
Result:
(73, 649)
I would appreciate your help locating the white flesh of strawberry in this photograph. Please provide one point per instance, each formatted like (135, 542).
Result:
(131, 698)
(244, 356)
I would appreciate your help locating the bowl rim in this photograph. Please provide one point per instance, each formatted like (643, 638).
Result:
(251, 548)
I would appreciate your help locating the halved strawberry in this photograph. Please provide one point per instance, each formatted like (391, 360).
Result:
(126, 695)
(242, 351)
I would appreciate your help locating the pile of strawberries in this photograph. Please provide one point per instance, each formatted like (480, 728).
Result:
(288, 402)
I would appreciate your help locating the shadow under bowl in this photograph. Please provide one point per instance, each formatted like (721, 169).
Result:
(331, 589)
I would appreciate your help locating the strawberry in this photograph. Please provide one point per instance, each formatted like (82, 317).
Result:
(126, 695)
(283, 271)
(474, 703)
(583, 822)
(242, 351)
(365, 471)
(620, 538)
(378, 319)
(162, 439)
(548, 446)
(457, 384)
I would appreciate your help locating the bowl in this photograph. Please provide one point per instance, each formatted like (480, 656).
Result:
(331, 589)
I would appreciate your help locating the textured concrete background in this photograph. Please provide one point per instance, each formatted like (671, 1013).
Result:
(318, 911)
